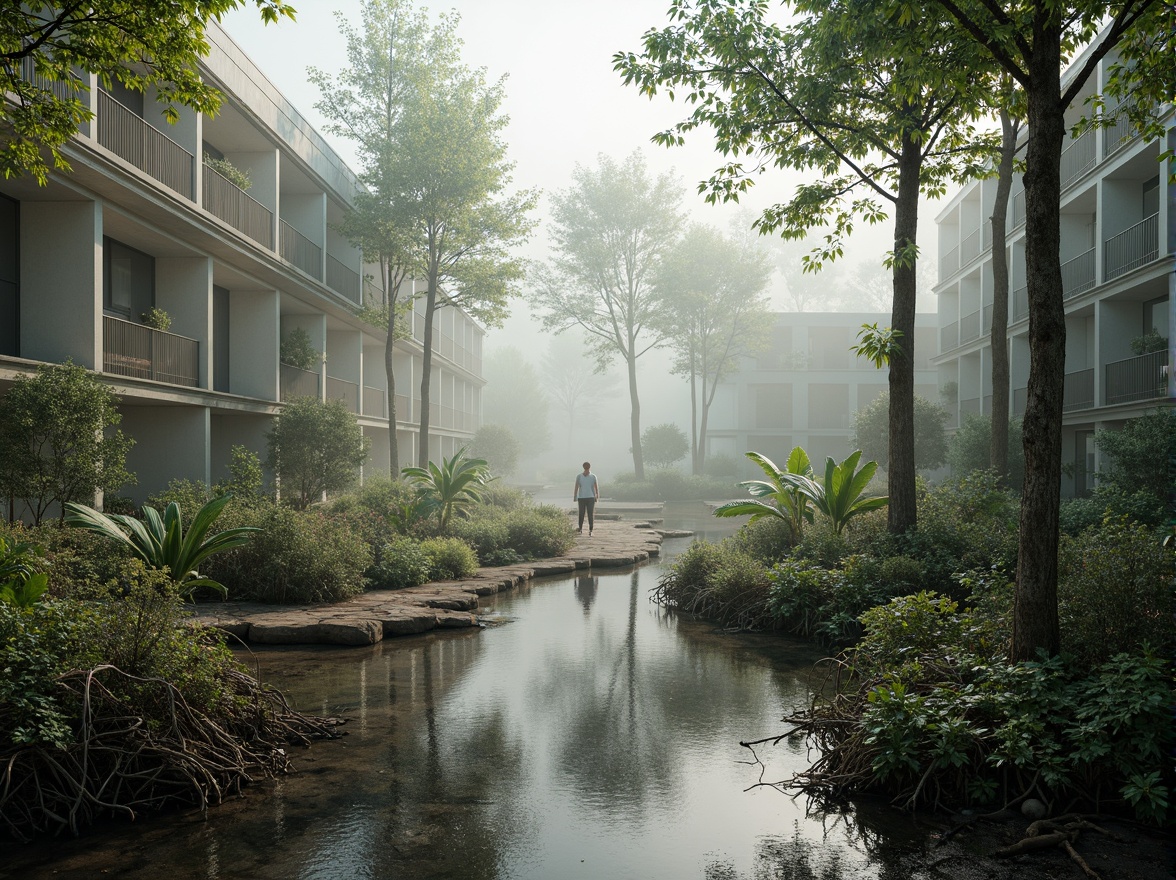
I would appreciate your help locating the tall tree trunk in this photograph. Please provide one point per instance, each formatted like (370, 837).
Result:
(427, 366)
(635, 417)
(1035, 605)
(695, 467)
(390, 373)
(901, 513)
(999, 338)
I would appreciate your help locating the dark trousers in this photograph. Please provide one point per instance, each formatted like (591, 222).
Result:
(586, 506)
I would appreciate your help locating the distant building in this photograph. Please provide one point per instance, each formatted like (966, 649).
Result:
(1118, 240)
(806, 386)
(146, 220)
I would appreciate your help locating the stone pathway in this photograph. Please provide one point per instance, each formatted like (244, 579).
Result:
(372, 616)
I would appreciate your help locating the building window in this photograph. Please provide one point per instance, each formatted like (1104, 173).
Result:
(128, 280)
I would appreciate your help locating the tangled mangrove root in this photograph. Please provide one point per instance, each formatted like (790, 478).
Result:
(123, 764)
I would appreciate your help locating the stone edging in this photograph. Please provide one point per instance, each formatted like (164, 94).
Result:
(379, 614)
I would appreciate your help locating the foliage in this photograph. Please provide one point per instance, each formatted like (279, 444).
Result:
(55, 439)
(609, 231)
(1078, 514)
(1115, 593)
(487, 533)
(315, 448)
(380, 495)
(298, 351)
(669, 485)
(22, 582)
(157, 319)
(719, 582)
(663, 445)
(538, 532)
(500, 497)
(403, 563)
(871, 432)
(839, 496)
(720, 465)
(513, 397)
(767, 539)
(230, 172)
(878, 346)
(449, 558)
(161, 543)
(1142, 454)
(1149, 342)
(166, 40)
(786, 500)
(499, 447)
(452, 485)
(298, 557)
(970, 449)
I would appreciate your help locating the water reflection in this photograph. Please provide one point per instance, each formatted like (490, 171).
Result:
(595, 736)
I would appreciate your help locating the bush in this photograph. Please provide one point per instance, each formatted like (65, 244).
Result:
(970, 449)
(298, 557)
(497, 496)
(719, 582)
(498, 445)
(486, 532)
(315, 447)
(1115, 593)
(538, 532)
(77, 560)
(663, 445)
(403, 563)
(670, 485)
(1078, 514)
(722, 466)
(1142, 454)
(766, 540)
(449, 558)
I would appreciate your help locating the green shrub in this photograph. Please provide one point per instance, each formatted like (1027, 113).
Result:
(500, 497)
(298, 557)
(449, 558)
(538, 532)
(767, 539)
(1115, 592)
(970, 449)
(670, 485)
(1078, 514)
(403, 563)
(380, 495)
(719, 582)
(486, 532)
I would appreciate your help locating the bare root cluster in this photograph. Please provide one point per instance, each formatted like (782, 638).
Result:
(122, 763)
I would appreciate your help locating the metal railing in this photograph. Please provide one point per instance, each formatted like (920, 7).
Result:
(375, 402)
(148, 149)
(1018, 209)
(1138, 378)
(949, 336)
(986, 229)
(1078, 392)
(1077, 158)
(296, 248)
(970, 247)
(404, 411)
(949, 262)
(371, 293)
(970, 406)
(58, 88)
(142, 352)
(1133, 247)
(344, 390)
(1020, 401)
(297, 382)
(1021, 303)
(1121, 133)
(342, 280)
(970, 327)
(1078, 274)
(229, 202)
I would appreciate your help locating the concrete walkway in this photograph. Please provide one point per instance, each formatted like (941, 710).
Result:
(374, 615)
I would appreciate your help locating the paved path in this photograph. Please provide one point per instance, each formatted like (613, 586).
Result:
(374, 615)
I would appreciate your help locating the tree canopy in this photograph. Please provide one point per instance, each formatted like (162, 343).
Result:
(315, 448)
(871, 426)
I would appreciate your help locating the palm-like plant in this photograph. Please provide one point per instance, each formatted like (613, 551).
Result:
(776, 497)
(21, 583)
(452, 485)
(839, 497)
(160, 540)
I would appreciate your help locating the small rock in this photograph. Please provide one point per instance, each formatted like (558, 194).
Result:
(1033, 809)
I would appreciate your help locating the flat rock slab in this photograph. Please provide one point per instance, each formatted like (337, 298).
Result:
(370, 617)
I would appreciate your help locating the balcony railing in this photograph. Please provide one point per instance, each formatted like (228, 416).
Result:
(1121, 133)
(142, 352)
(949, 262)
(1018, 209)
(969, 406)
(341, 389)
(342, 280)
(296, 248)
(229, 202)
(403, 409)
(970, 327)
(1077, 158)
(1020, 303)
(949, 336)
(986, 229)
(1133, 247)
(1020, 401)
(986, 323)
(1139, 378)
(375, 402)
(1078, 274)
(1078, 392)
(148, 149)
(298, 383)
(58, 88)
(371, 293)
(970, 247)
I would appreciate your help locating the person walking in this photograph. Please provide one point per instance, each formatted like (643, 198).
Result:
(586, 493)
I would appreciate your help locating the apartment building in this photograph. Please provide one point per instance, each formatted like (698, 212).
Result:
(146, 220)
(806, 386)
(1118, 251)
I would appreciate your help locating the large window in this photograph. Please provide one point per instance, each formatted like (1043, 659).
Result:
(128, 280)
(9, 278)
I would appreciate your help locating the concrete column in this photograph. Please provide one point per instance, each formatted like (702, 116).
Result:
(237, 430)
(183, 289)
(171, 443)
(254, 340)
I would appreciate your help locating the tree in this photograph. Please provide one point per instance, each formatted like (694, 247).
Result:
(1142, 455)
(609, 231)
(498, 445)
(56, 442)
(1032, 42)
(571, 385)
(664, 444)
(871, 425)
(970, 448)
(853, 92)
(315, 448)
(713, 314)
(513, 397)
(139, 43)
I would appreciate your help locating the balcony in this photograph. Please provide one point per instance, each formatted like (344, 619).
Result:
(342, 280)
(1020, 303)
(986, 324)
(949, 336)
(142, 352)
(970, 248)
(298, 383)
(1078, 392)
(1121, 133)
(375, 402)
(226, 200)
(348, 392)
(403, 410)
(1139, 378)
(300, 251)
(1018, 209)
(949, 263)
(1077, 158)
(1078, 274)
(148, 149)
(970, 327)
(969, 406)
(58, 88)
(1133, 247)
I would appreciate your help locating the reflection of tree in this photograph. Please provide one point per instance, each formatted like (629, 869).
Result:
(586, 585)
(794, 858)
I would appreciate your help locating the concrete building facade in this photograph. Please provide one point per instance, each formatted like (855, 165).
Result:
(146, 220)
